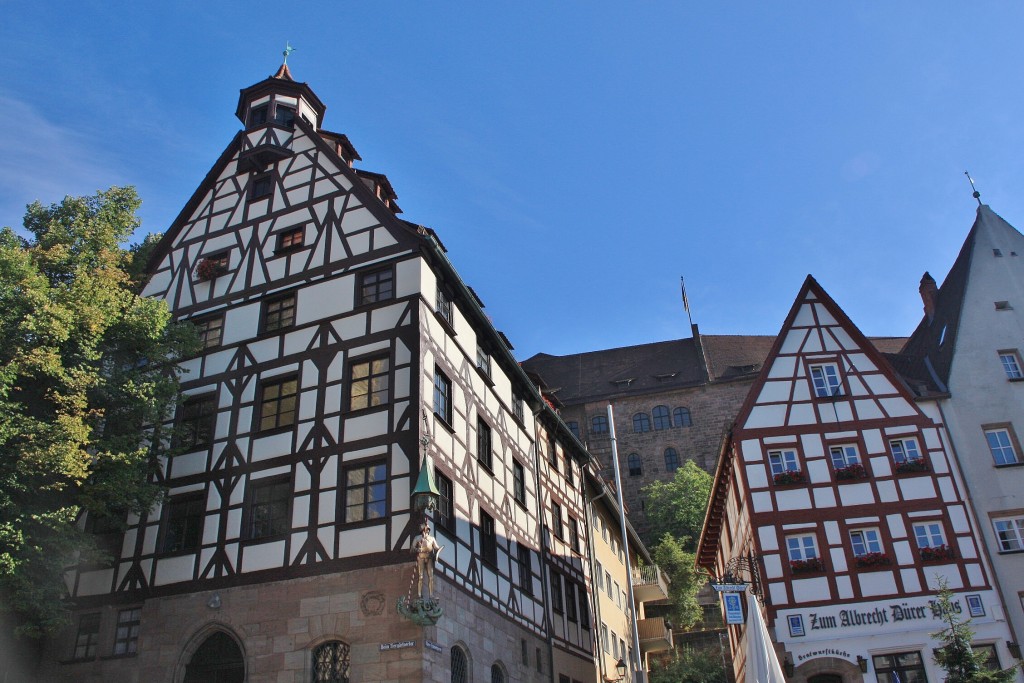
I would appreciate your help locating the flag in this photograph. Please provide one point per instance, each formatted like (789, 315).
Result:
(686, 302)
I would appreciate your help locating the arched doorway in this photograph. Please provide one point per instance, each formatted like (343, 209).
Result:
(825, 678)
(217, 660)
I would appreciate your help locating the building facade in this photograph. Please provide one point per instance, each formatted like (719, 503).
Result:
(837, 498)
(342, 357)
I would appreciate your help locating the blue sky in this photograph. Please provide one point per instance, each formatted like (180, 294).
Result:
(575, 157)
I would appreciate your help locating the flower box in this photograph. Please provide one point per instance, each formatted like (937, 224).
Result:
(210, 268)
(918, 465)
(873, 560)
(854, 471)
(789, 477)
(807, 566)
(939, 552)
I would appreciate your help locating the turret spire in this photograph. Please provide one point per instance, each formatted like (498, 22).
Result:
(977, 195)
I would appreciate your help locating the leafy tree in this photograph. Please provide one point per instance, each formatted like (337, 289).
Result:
(680, 565)
(961, 663)
(677, 506)
(691, 666)
(86, 364)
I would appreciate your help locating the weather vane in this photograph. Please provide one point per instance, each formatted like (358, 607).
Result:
(288, 49)
(977, 195)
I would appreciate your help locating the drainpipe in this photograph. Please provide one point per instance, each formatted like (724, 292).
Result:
(545, 570)
(640, 673)
(596, 621)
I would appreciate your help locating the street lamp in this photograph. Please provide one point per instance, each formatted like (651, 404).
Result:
(620, 667)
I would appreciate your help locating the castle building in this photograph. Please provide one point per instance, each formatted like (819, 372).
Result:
(838, 500)
(345, 367)
(969, 344)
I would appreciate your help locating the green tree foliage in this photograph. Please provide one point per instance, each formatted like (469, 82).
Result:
(86, 364)
(675, 511)
(677, 507)
(691, 666)
(961, 663)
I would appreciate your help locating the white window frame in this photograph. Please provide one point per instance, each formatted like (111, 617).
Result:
(905, 449)
(826, 380)
(926, 533)
(1001, 443)
(784, 460)
(847, 455)
(868, 539)
(1009, 533)
(1010, 360)
(797, 547)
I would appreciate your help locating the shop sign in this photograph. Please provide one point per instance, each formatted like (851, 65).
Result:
(733, 608)
(397, 645)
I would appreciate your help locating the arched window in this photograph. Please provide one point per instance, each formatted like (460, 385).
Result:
(681, 417)
(641, 423)
(671, 460)
(661, 418)
(460, 665)
(497, 673)
(599, 424)
(331, 663)
(218, 659)
(636, 467)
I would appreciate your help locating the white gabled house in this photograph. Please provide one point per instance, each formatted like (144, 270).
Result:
(837, 496)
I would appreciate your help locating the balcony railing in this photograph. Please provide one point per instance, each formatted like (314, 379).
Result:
(655, 635)
(649, 583)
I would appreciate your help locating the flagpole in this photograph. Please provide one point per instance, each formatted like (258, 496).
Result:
(686, 302)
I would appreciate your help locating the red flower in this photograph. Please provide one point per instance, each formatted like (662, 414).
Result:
(210, 268)
(789, 477)
(854, 471)
(812, 565)
(873, 560)
(939, 552)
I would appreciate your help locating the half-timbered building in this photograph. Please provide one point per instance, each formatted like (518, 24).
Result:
(340, 352)
(837, 499)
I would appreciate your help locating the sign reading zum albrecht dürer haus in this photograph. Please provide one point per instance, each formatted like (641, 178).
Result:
(853, 629)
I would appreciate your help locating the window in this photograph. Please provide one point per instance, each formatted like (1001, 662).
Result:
(497, 674)
(599, 424)
(570, 601)
(291, 239)
(108, 534)
(370, 383)
(865, 541)
(783, 461)
(599, 576)
(574, 427)
(262, 186)
(443, 306)
(540, 662)
(803, 553)
(442, 397)
(331, 663)
(615, 645)
(460, 665)
(519, 482)
(991, 662)
(641, 423)
(284, 116)
(904, 451)
(1010, 533)
(553, 453)
(445, 505)
(88, 636)
(1001, 443)
(279, 313)
(258, 115)
(1003, 306)
(196, 423)
(183, 525)
(568, 467)
(556, 520)
(584, 609)
(213, 266)
(483, 361)
(483, 443)
(556, 593)
(525, 569)
(126, 636)
(525, 654)
(604, 639)
(825, 378)
(618, 594)
(661, 417)
(210, 331)
(517, 407)
(268, 508)
(366, 492)
(608, 584)
(931, 541)
(681, 417)
(671, 460)
(377, 285)
(902, 667)
(844, 456)
(636, 467)
(1011, 364)
(488, 539)
(574, 533)
(278, 403)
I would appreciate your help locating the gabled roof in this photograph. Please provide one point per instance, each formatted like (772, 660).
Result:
(929, 351)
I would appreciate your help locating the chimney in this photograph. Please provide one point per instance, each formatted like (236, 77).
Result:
(928, 290)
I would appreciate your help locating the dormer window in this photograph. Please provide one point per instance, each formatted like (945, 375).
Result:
(258, 115)
(284, 116)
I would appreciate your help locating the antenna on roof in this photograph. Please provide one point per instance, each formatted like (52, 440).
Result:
(288, 49)
(977, 195)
